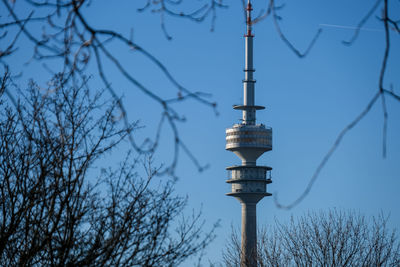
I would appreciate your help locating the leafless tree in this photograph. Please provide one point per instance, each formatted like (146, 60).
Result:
(57, 208)
(333, 238)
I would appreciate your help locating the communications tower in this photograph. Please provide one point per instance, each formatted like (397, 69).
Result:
(249, 141)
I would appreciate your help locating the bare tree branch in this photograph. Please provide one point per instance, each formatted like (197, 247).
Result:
(380, 93)
(362, 22)
(283, 37)
(327, 156)
(73, 40)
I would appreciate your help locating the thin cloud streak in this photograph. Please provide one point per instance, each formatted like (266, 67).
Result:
(349, 27)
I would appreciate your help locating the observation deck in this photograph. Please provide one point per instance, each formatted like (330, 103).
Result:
(249, 136)
(249, 182)
(249, 141)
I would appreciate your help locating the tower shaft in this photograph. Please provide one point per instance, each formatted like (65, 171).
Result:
(249, 234)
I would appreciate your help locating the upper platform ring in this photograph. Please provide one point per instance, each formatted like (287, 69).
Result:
(243, 107)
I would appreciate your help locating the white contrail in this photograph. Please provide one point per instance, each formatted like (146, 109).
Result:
(349, 27)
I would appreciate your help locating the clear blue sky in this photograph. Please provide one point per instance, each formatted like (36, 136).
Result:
(308, 102)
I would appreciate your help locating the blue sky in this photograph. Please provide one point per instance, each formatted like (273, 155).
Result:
(308, 102)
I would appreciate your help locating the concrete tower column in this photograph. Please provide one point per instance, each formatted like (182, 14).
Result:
(249, 235)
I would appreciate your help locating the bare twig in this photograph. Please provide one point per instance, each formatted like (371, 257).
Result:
(384, 130)
(326, 158)
(362, 22)
(165, 7)
(286, 40)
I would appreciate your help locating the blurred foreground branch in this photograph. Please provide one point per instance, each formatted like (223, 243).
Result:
(67, 36)
(391, 26)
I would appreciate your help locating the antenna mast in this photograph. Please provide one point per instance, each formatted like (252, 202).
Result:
(249, 114)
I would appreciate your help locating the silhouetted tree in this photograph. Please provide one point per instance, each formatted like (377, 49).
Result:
(57, 210)
(332, 238)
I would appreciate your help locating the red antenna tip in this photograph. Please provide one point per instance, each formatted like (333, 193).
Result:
(248, 20)
(249, 6)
